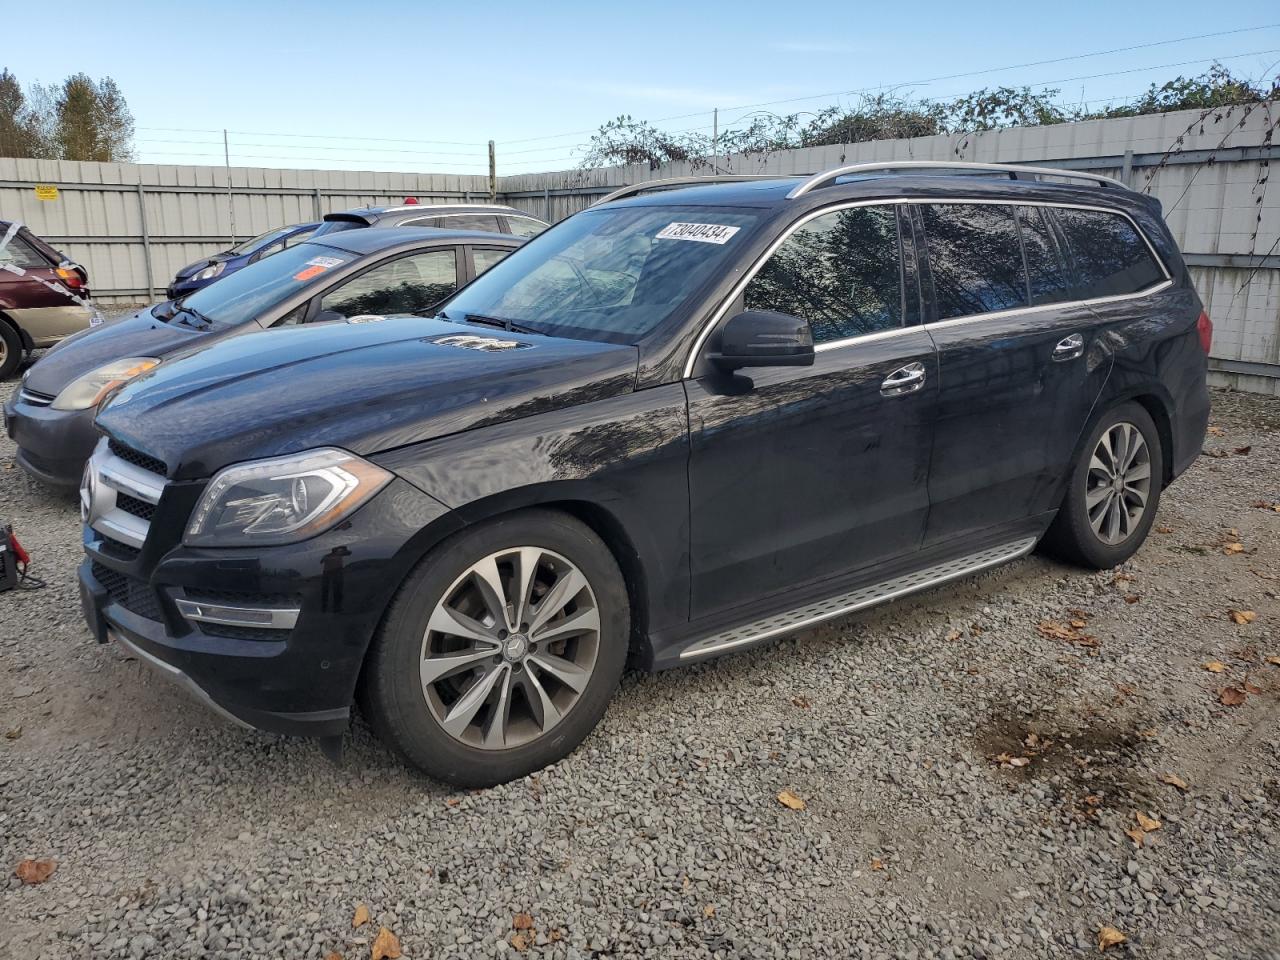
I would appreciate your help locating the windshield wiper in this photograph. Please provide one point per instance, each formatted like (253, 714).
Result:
(198, 315)
(508, 325)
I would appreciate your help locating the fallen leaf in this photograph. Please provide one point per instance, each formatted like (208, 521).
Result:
(1233, 548)
(522, 921)
(1109, 937)
(1216, 431)
(1079, 624)
(1055, 630)
(1032, 740)
(1243, 451)
(361, 917)
(520, 942)
(1148, 734)
(1217, 453)
(709, 911)
(1132, 598)
(1123, 577)
(333, 955)
(1146, 822)
(954, 635)
(1019, 761)
(1173, 780)
(1274, 661)
(1243, 617)
(1136, 835)
(451, 801)
(1164, 529)
(877, 863)
(801, 702)
(386, 946)
(1250, 687)
(13, 733)
(1215, 666)
(32, 872)
(791, 801)
(1232, 696)
(1262, 505)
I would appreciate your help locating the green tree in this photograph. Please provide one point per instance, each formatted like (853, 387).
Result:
(21, 132)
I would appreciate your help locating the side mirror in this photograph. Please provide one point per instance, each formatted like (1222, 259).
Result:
(762, 338)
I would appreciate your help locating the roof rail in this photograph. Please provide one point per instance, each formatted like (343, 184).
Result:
(828, 177)
(637, 188)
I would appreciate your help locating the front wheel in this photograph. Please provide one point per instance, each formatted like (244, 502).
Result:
(10, 350)
(1112, 493)
(501, 651)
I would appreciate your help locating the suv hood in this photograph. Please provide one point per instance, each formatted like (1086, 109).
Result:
(139, 335)
(365, 388)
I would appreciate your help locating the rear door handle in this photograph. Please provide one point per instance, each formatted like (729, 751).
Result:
(906, 379)
(1069, 348)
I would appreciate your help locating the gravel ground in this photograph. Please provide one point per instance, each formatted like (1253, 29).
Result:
(971, 781)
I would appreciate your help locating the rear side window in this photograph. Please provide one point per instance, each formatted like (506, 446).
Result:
(1110, 257)
(1046, 277)
(841, 271)
(485, 222)
(524, 227)
(21, 254)
(975, 258)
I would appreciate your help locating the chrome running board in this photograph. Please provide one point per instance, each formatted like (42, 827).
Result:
(821, 610)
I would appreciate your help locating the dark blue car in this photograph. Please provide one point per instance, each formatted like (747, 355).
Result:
(204, 271)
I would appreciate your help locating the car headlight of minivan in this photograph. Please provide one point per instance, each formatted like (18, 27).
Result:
(211, 271)
(282, 500)
(88, 390)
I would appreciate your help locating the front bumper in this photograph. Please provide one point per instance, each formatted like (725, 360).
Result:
(53, 445)
(180, 288)
(295, 674)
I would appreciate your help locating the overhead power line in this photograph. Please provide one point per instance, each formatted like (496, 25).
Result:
(938, 79)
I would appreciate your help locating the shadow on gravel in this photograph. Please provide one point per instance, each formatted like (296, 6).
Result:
(1087, 765)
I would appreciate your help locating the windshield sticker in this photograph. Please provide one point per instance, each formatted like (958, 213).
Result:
(316, 266)
(700, 232)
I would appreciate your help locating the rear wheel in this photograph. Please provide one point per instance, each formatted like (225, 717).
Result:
(501, 651)
(1113, 491)
(10, 350)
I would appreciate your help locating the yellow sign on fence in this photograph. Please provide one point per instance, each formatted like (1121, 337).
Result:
(46, 191)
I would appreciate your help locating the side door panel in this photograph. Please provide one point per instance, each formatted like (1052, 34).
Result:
(1012, 402)
(800, 475)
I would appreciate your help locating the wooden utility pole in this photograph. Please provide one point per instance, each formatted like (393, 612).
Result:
(493, 175)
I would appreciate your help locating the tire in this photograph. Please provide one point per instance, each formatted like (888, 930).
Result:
(550, 692)
(1096, 525)
(10, 350)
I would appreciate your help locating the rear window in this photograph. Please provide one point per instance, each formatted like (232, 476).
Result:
(19, 253)
(1110, 257)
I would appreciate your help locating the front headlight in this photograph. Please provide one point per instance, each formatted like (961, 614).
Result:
(87, 391)
(208, 273)
(282, 500)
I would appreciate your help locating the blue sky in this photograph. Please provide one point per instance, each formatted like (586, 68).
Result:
(390, 85)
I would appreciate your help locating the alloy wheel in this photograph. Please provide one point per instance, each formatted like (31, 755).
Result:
(1119, 483)
(510, 648)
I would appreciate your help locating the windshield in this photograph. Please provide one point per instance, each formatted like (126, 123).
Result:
(263, 238)
(610, 274)
(241, 296)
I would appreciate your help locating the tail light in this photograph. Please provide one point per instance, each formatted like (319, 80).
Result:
(1204, 327)
(70, 277)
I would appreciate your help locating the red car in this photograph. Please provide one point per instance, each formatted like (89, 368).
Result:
(44, 297)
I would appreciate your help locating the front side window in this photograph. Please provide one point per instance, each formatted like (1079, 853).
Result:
(407, 285)
(1046, 277)
(612, 274)
(484, 259)
(841, 271)
(1110, 257)
(975, 258)
(524, 227)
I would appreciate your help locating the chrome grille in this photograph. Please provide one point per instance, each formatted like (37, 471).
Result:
(118, 497)
(137, 458)
(32, 397)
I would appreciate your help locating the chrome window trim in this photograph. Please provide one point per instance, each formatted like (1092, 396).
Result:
(718, 314)
(235, 615)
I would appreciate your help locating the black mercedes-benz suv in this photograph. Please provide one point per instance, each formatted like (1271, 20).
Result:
(674, 425)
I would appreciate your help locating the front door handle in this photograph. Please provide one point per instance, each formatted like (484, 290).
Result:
(1068, 348)
(906, 379)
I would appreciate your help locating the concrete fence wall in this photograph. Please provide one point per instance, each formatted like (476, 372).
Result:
(1208, 170)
